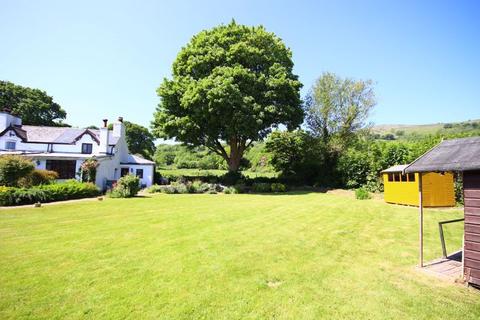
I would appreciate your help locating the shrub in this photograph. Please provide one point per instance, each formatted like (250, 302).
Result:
(72, 189)
(154, 189)
(88, 170)
(126, 187)
(240, 188)
(362, 194)
(231, 177)
(180, 187)
(38, 177)
(261, 187)
(278, 187)
(12, 168)
(230, 190)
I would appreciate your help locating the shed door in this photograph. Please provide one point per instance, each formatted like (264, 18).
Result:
(471, 187)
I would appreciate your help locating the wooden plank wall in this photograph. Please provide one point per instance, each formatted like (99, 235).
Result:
(471, 191)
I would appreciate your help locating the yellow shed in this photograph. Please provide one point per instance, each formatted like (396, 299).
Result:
(438, 188)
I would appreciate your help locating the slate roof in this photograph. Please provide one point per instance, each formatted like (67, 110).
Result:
(449, 155)
(397, 168)
(61, 135)
(134, 159)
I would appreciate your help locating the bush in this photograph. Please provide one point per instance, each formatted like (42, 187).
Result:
(230, 190)
(13, 168)
(278, 187)
(231, 177)
(362, 194)
(154, 189)
(180, 187)
(38, 177)
(261, 187)
(72, 189)
(126, 187)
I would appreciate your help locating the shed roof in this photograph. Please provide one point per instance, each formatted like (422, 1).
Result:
(397, 168)
(449, 155)
(136, 159)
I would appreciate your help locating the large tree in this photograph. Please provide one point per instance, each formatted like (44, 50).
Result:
(337, 109)
(231, 85)
(139, 139)
(34, 106)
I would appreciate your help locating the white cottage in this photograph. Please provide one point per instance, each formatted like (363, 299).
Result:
(64, 149)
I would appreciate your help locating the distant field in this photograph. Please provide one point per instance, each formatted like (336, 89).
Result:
(401, 131)
(217, 173)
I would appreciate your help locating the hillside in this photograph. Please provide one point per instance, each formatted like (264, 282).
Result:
(399, 131)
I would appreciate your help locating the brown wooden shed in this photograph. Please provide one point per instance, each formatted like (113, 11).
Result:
(461, 156)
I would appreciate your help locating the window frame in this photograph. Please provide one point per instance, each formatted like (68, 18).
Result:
(87, 148)
(410, 176)
(137, 173)
(10, 142)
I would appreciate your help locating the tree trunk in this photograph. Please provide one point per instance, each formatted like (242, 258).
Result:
(236, 153)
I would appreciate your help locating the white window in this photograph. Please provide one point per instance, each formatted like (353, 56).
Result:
(10, 145)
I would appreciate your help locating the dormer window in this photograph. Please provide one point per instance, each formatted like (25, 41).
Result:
(87, 148)
(10, 145)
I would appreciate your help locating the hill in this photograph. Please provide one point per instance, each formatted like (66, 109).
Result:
(402, 131)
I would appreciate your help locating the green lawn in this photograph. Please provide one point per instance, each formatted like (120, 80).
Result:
(293, 256)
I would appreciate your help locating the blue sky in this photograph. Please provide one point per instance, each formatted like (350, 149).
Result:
(106, 58)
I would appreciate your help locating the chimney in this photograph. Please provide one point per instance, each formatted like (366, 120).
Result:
(7, 119)
(119, 128)
(104, 137)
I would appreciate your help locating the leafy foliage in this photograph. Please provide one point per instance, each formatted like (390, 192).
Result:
(126, 187)
(72, 189)
(88, 170)
(13, 168)
(337, 109)
(362, 194)
(232, 83)
(38, 177)
(33, 105)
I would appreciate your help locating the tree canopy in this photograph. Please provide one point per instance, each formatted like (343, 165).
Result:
(231, 85)
(139, 139)
(33, 105)
(336, 109)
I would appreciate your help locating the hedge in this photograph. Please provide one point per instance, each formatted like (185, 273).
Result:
(72, 189)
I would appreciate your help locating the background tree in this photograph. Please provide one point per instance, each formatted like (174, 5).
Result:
(139, 139)
(33, 105)
(230, 85)
(337, 109)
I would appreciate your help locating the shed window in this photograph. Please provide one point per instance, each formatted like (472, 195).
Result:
(139, 173)
(404, 177)
(64, 168)
(390, 177)
(411, 177)
(10, 145)
(396, 177)
(86, 148)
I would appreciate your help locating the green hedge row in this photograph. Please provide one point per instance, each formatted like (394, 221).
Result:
(11, 196)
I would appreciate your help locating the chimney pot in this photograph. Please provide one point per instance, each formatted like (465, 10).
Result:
(105, 123)
(120, 119)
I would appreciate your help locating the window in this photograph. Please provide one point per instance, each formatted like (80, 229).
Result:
(86, 148)
(124, 171)
(390, 177)
(404, 177)
(397, 177)
(64, 168)
(411, 177)
(139, 173)
(10, 145)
